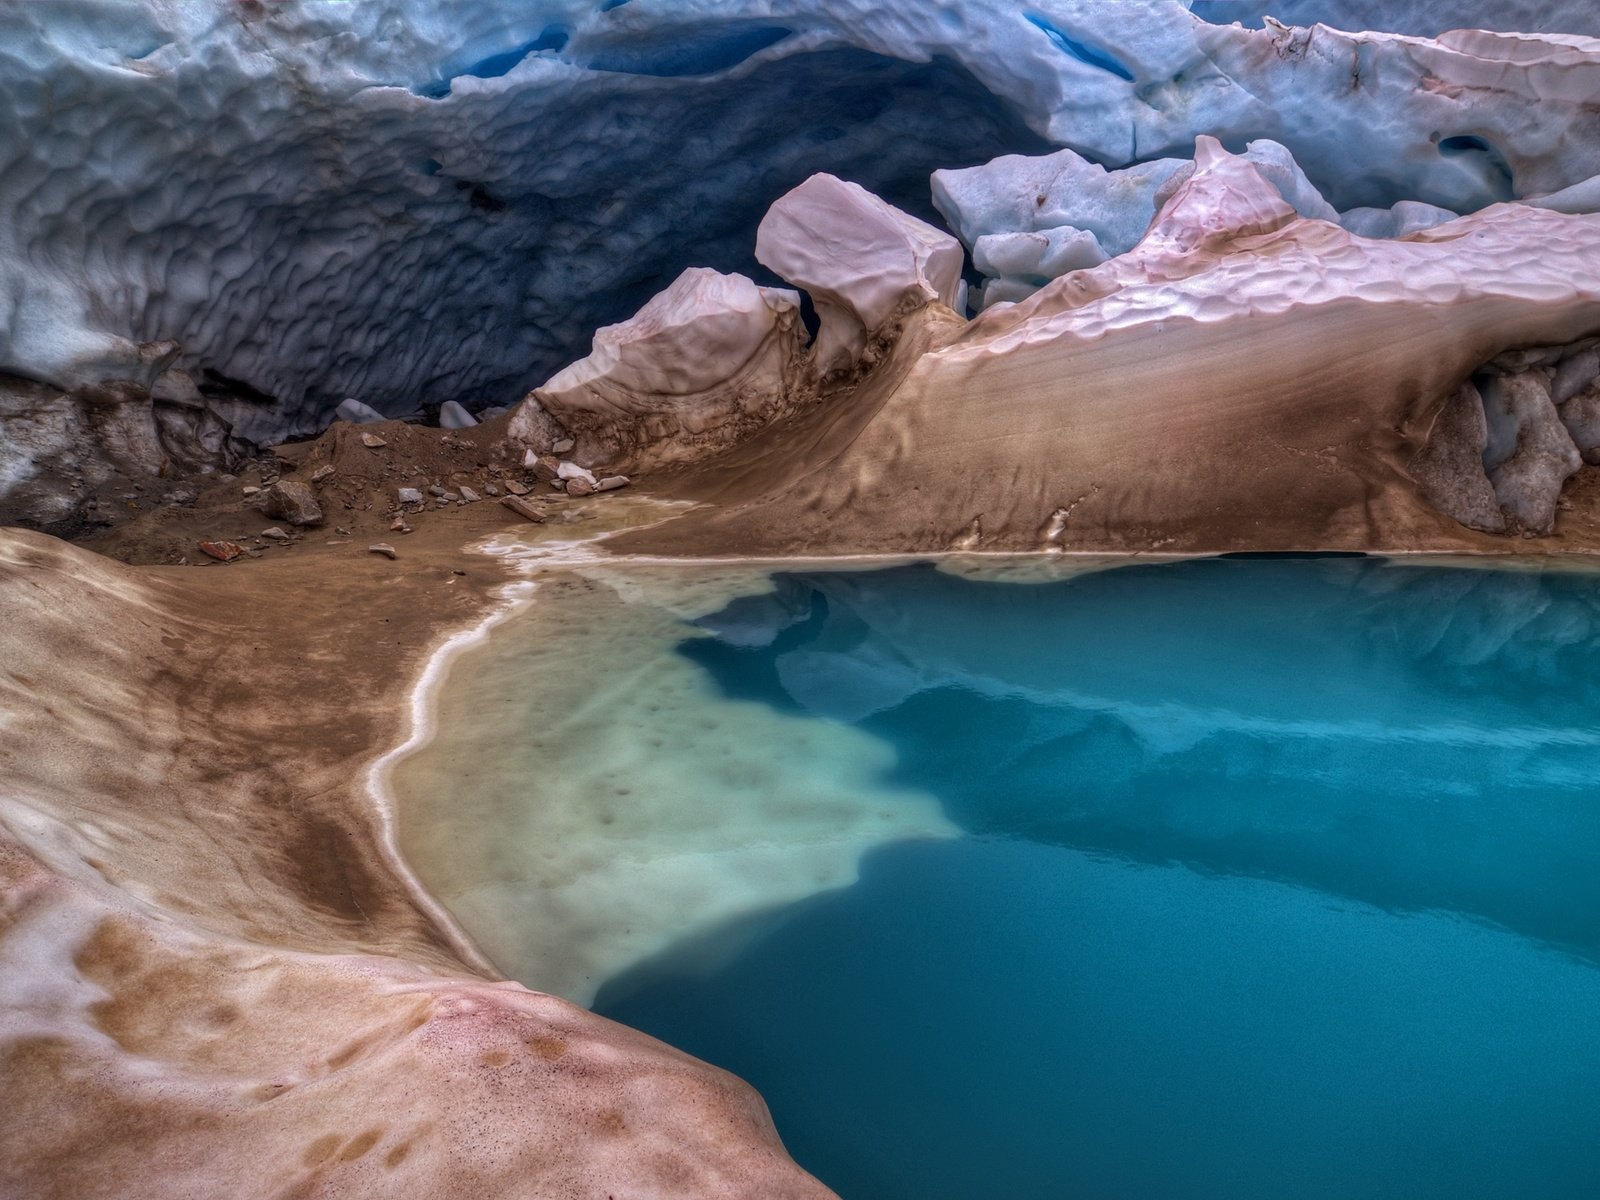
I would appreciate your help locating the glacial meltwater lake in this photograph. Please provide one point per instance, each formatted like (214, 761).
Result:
(1237, 878)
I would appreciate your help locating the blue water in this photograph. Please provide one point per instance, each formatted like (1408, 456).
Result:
(1281, 879)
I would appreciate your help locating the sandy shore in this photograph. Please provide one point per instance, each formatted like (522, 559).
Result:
(215, 978)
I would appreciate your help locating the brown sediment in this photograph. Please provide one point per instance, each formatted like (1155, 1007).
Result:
(216, 978)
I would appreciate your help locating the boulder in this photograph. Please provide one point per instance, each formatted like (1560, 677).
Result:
(1449, 468)
(292, 501)
(859, 258)
(1529, 453)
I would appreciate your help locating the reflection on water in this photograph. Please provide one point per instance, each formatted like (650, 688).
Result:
(1416, 738)
(1282, 879)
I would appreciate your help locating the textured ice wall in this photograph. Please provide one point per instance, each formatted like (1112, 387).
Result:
(408, 201)
(1423, 18)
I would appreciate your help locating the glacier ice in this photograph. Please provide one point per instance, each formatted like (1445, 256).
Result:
(405, 202)
(704, 363)
(858, 258)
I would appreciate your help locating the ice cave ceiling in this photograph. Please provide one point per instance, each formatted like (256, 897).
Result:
(409, 203)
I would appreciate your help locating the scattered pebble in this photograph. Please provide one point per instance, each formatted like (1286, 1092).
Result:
(435, 490)
(323, 472)
(611, 483)
(384, 549)
(398, 525)
(372, 441)
(515, 488)
(275, 534)
(251, 490)
(222, 551)
(489, 489)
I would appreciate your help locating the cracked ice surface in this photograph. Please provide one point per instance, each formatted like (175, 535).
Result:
(410, 202)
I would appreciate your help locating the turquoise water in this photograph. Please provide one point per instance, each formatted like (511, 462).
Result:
(1280, 878)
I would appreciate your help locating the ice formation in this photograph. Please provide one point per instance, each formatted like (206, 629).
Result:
(700, 366)
(858, 258)
(1314, 362)
(384, 202)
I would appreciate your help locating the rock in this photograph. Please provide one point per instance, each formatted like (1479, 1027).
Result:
(250, 490)
(372, 441)
(275, 534)
(545, 468)
(435, 490)
(326, 471)
(384, 549)
(571, 470)
(1449, 468)
(222, 551)
(579, 487)
(515, 488)
(398, 525)
(453, 416)
(449, 497)
(1574, 374)
(1529, 454)
(1581, 416)
(351, 409)
(470, 496)
(293, 502)
(489, 489)
(564, 446)
(859, 258)
(611, 483)
(523, 508)
(408, 495)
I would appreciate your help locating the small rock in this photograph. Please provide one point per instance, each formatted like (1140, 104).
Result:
(341, 531)
(222, 551)
(489, 489)
(523, 508)
(225, 477)
(453, 416)
(435, 490)
(408, 495)
(578, 486)
(323, 472)
(563, 446)
(449, 497)
(294, 503)
(571, 470)
(275, 534)
(251, 490)
(398, 525)
(611, 483)
(545, 468)
(515, 488)
(384, 549)
(372, 441)
(470, 496)
(529, 457)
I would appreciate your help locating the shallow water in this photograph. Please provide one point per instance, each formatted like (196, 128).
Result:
(1279, 878)
(1234, 878)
